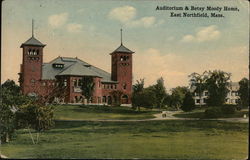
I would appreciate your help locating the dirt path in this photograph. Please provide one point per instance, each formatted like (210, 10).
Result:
(169, 116)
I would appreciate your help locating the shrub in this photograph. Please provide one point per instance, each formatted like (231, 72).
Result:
(228, 109)
(188, 102)
(213, 113)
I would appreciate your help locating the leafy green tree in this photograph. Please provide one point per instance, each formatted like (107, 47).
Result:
(87, 87)
(197, 81)
(139, 86)
(188, 102)
(244, 92)
(217, 83)
(137, 91)
(11, 98)
(145, 98)
(177, 96)
(160, 92)
(35, 116)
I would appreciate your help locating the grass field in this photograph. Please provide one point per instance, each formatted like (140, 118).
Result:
(153, 139)
(70, 112)
(146, 139)
(200, 114)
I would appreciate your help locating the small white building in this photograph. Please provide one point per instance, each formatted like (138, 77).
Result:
(232, 96)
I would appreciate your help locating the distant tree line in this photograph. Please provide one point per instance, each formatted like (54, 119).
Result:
(216, 82)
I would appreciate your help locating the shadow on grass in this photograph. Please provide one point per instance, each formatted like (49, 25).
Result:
(146, 126)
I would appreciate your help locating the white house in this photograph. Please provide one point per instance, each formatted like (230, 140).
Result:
(232, 96)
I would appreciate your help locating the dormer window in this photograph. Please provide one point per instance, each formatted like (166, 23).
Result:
(58, 65)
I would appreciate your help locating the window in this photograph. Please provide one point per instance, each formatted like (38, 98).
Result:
(75, 82)
(65, 82)
(58, 65)
(197, 100)
(111, 86)
(115, 86)
(79, 82)
(124, 86)
(206, 93)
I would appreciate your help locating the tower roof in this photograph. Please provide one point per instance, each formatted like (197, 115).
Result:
(122, 49)
(32, 42)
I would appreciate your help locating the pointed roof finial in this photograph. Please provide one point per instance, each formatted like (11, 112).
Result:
(32, 27)
(121, 36)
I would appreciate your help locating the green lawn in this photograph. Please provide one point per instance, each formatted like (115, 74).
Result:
(150, 139)
(200, 114)
(80, 112)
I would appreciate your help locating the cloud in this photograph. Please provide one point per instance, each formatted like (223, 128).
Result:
(122, 14)
(204, 34)
(127, 16)
(74, 27)
(145, 22)
(58, 20)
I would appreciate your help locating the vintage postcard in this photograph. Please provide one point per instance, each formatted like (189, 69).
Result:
(125, 79)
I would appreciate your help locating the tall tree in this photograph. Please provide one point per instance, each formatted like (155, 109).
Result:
(137, 91)
(10, 100)
(177, 96)
(87, 87)
(197, 81)
(160, 92)
(188, 102)
(217, 83)
(244, 92)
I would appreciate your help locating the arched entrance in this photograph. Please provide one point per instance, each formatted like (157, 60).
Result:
(124, 99)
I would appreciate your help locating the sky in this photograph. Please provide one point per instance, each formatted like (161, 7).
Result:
(164, 46)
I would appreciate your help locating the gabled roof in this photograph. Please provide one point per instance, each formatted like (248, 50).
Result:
(49, 72)
(122, 49)
(33, 42)
(78, 69)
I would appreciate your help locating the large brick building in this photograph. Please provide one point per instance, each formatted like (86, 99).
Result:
(39, 78)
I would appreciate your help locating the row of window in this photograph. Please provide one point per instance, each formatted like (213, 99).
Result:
(124, 64)
(233, 93)
(33, 52)
(33, 58)
(124, 58)
(109, 86)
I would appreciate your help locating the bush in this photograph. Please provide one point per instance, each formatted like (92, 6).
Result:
(228, 109)
(188, 103)
(213, 113)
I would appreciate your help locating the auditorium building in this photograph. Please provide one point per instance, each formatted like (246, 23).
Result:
(38, 78)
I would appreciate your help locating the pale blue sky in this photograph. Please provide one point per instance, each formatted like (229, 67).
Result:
(164, 46)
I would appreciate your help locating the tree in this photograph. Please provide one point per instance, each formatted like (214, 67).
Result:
(35, 116)
(177, 96)
(197, 81)
(87, 87)
(217, 83)
(160, 92)
(139, 86)
(11, 98)
(244, 92)
(188, 102)
(145, 98)
(137, 91)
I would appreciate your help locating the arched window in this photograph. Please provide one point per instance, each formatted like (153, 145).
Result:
(124, 99)
(37, 52)
(122, 58)
(29, 52)
(124, 85)
(34, 52)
